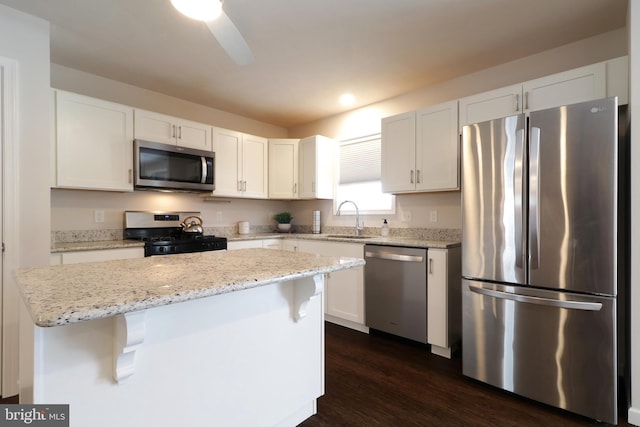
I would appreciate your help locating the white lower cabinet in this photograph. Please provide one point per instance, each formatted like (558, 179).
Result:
(77, 257)
(344, 290)
(444, 328)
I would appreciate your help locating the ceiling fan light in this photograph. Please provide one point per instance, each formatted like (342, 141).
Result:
(201, 10)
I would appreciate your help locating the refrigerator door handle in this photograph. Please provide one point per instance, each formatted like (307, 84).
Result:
(534, 203)
(518, 191)
(572, 305)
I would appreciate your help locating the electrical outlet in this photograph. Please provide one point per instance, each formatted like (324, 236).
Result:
(218, 216)
(98, 216)
(433, 216)
(406, 216)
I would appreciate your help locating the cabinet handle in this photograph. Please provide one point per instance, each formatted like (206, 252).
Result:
(517, 102)
(130, 176)
(295, 188)
(430, 265)
(179, 132)
(244, 185)
(418, 176)
(239, 186)
(173, 131)
(526, 100)
(411, 176)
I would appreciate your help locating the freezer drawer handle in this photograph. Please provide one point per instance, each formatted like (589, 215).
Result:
(573, 305)
(393, 257)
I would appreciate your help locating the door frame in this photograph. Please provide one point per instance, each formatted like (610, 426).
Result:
(9, 303)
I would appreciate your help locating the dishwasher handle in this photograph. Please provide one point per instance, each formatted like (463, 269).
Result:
(393, 257)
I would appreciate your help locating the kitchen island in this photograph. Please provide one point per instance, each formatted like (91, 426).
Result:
(212, 338)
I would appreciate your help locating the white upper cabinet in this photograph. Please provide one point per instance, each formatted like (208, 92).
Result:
(437, 148)
(618, 79)
(420, 150)
(157, 127)
(316, 167)
(491, 105)
(398, 152)
(569, 87)
(93, 143)
(283, 168)
(241, 164)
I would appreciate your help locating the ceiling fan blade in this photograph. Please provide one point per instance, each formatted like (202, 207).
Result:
(230, 39)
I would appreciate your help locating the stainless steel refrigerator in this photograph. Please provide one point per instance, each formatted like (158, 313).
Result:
(539, 251)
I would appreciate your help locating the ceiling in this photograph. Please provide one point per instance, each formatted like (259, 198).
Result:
(308, 52)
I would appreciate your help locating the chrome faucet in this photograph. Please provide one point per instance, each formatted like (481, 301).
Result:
(358, 229)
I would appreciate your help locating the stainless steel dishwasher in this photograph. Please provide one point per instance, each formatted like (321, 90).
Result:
(395, 283)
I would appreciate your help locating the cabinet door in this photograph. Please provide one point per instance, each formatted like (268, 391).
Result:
(255, 167)
(398, 153)
(618, 79)
(193, 135)
(437, 298)
(154, 127)
(578, 85)
(94, 143)
(243, 244)
(344, 290)
(491, 105)
(97, 255)
(227, 149)
(317, 159)
(283, 168)
(437, 148)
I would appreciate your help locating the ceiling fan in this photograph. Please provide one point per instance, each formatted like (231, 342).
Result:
(220, 25)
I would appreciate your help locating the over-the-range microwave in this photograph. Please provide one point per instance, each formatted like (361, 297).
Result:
(172, 168)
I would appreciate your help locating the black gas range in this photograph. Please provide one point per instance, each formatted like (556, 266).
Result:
(165, 233)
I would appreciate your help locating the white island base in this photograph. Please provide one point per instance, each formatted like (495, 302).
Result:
(253, 357)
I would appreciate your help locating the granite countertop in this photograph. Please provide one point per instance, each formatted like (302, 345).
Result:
(94, 246)
(375, 240)
(65, 294)
(372, 240)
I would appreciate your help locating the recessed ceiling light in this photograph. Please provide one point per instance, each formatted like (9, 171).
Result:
(201, 10)
(347, 99)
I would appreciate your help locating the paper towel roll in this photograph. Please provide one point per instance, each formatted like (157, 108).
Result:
(243, 227)
(315, 224)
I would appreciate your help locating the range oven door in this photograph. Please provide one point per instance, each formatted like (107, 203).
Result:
(554, 347)
(169, 167)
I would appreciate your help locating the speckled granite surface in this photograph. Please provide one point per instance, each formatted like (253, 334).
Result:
(60, 295)
(438, 238)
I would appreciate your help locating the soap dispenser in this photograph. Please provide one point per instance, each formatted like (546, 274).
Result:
(385, 228)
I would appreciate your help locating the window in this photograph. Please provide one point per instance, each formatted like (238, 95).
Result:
(359, 180)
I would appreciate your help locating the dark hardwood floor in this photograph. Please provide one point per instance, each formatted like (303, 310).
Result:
(379, 380)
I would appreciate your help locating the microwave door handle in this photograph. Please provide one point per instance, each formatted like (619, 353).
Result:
(203, 160)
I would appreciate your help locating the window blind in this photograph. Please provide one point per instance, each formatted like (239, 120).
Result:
(360, 160)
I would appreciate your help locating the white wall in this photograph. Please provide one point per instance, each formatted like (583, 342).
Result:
(74, 209)
(24, 40)
(633, 24)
